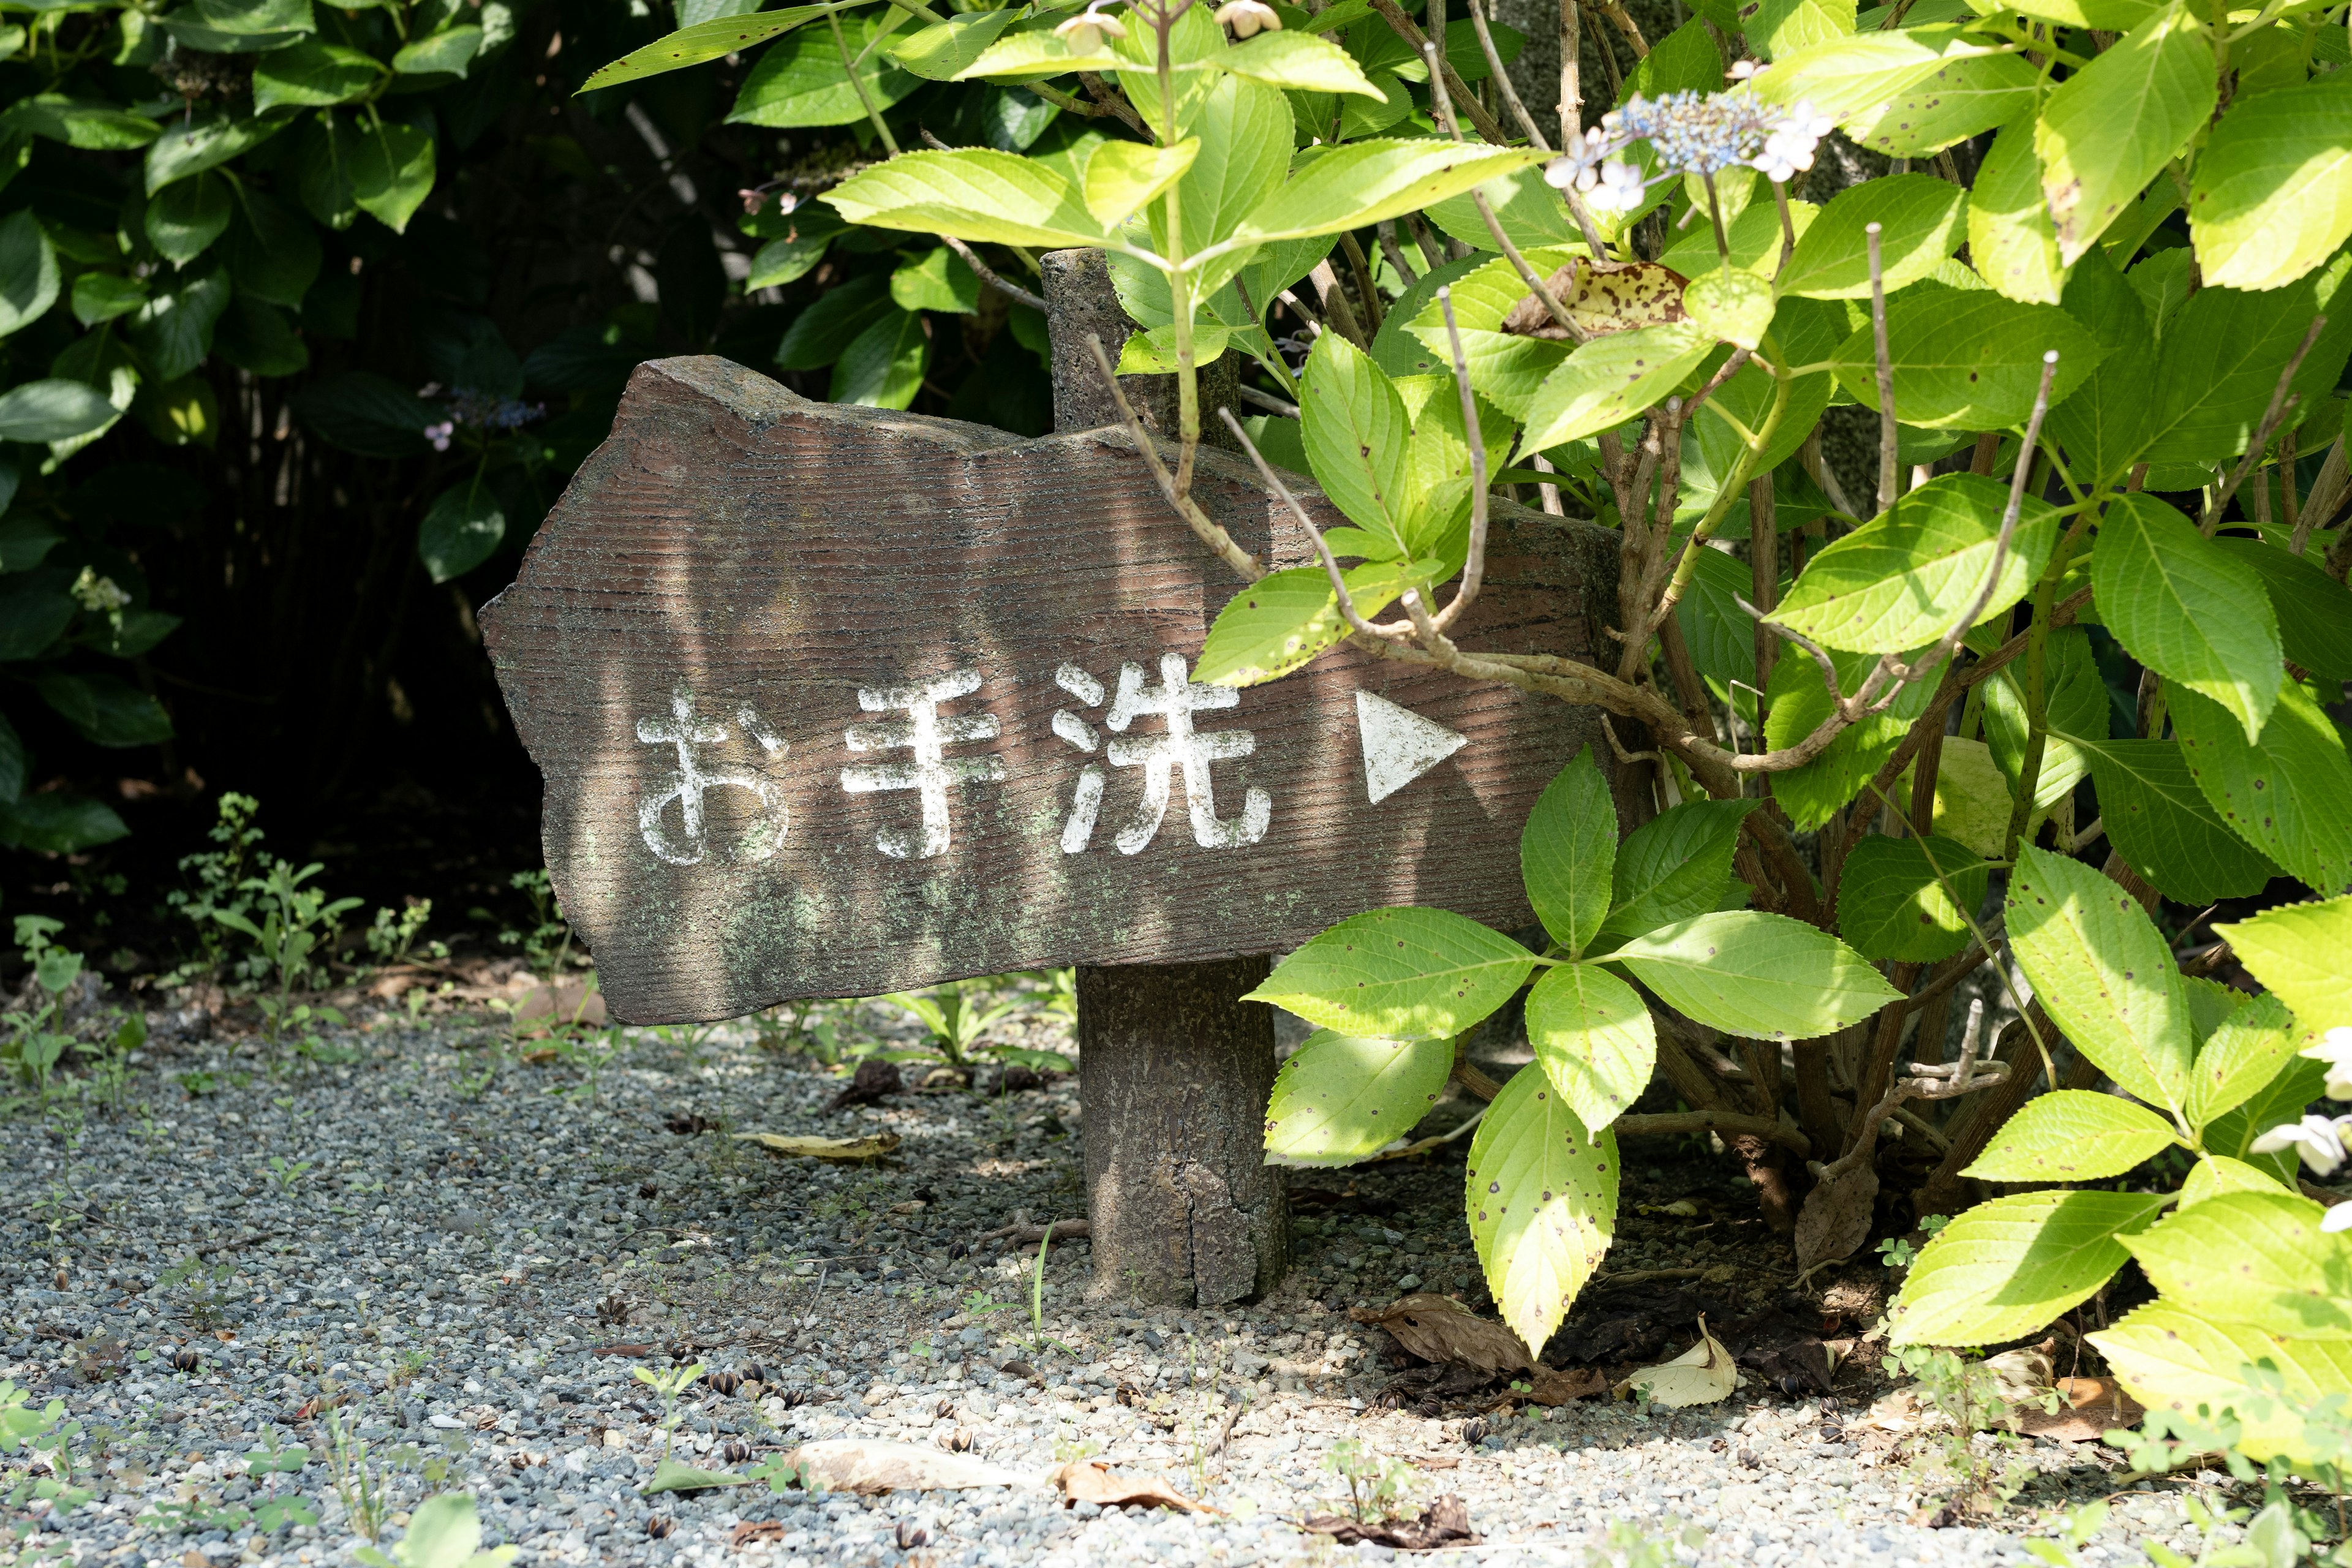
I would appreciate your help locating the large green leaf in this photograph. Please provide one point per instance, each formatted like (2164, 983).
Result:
(1970, 96)
(1921, 219)
(2258, 1259)
(1799, 701)
(2172, 1358)
(800, 82)
(705, 41)
(189, 147)
(92, 124)
(183, 220)
(1611, 379)
(2007, 1267)
(1903, 579)
(2243, 1054)
(36, 606)
(1849, 78)
(1966, 358)
(312, 75)
(2186, 609)
(1674, 866)
(391, 169)
(1398, 974)
(2103, 972)
(2300, 952)
(1243, 131)
(2223, 351)
(2010, 238)
(1541, 1196)
(2289, 796)
(1780, 27)
(2072, 1135)
(53, 410)
(2108, 129)
(1299, 62)
(2214, 1174)
(1364, 182)
(272, 252)
(58, 822)
(882, 367)
(108, 710)
(1280, 622)
(2108, 420)
(973, 193)
(1356, 432)
(2075, 706)
(2161, 824)
(28, 271)
(2272, 192)
(2314, 610)
(1566, 852)
(1593, 1037)
(461, 529)
(173, 332)
(1338, 1100)
(1909, 898)
(1756, 976)
(832, 321)
(446, 53)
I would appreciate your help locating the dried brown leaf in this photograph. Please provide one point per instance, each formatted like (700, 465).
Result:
(752, 1529)
(1440, 1329)
(1445, 1522)
(1552, 1386)
(2094, 1405)
(1090, 1480)
(1601, 297)
(870, 1147)
(1835, 1220)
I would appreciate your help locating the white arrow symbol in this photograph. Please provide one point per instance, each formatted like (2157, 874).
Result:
(1399, 745)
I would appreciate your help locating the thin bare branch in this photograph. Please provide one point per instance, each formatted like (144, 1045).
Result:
(1888, 479)
(1348, 610)
(982, 270)
(1395, 252)
(1502, 78)
(1403, 26)
(1571, 72)
(1473, 567)
(1729, 1123)
(2326, 497)
(1269, 402)
(1442, 105)
(1212, 533)
(1615, 11)
(2279, 404)
(1111, 98)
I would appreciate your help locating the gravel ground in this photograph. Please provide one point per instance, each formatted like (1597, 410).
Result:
(453, 1239)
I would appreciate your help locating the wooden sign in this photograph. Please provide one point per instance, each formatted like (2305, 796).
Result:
(835, 700)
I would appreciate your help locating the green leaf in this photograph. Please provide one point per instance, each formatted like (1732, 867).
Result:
(2186, 609)
(2074, 706)
(392, 171)
(366, 414)
(936, 53)
(705, 41)
(1674, 866)
(800, 82)
(2007, 1267)
(184, 219)
(58, 822)
(2223, 351)
(973, 194)
(1780, 27)
(1360, 183)
(2291, 795)
(173, 332)
(1280, 622)
(1123, 176)
(2010, 237)
(14, 761)
(191, 146)
(673, 1476)
(1593, 1038)
(936, 280)
(883, 365)
(1721, 636)
(2072, 1135)
(1541, 1196)
(1922, 220)
(238, 27)
(1566, 850)
(1398, 974)
(2314, 610)
(1903, 580)
(1244, 136)
(2259, 1259)
(257, 337)
(1798, 700)
(2107, 421)
(2241, 1058)
(1970, 96)
(2214, 1174)
(107, 709)
(789, 259)
(29, 277)
(2103, 972)
(447, 53)
(1732, 303)
(1338, 1100)
(35, 609)
(2174, 1359)
(461, 529)
(1300, 62)
(272, 252)
(1036, 54)
(2271, 197)
(1356, 433)
(1611, 379)
(2111, 15)
(312, 74)
(1965, 360)
(2109, 129)
(833, 321)
(1153, 353)
(52, 410)
(2299, 951)
(1759, 976)
(91, 124)
(1891, 903)
(2161, 824)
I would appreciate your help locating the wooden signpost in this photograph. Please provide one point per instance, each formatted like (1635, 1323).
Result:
(831, 700)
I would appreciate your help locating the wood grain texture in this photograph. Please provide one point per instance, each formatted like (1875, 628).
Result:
(762, 551)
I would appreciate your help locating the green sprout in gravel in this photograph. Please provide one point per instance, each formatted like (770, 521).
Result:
(1375, 1482)
(443, 1532)
(669, 1385)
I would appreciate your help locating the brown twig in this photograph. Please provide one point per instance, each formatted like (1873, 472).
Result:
(1386, 230)
(1502, 78)
(2327, 491)
(1111, 98)
(982, 270)
(1348, 610)
(1473, 566)
(1489, 126)
(1210, 531)
(1440, 105)
(1729, 1123)
(1888, 477)
(2279, 404)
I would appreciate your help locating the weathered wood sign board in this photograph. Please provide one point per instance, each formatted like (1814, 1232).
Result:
(833, 700)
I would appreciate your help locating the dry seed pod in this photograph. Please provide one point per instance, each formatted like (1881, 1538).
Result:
(912, 1535)
(725, 1382)
(737, 1451)
(186, 1359)
(659, 1526)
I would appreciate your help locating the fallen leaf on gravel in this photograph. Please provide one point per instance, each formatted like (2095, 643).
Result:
(670, 1476)
(1550, 1386)
(1702, 1374)
(2095, 1407)
(1090, 1480)
(621, 1350)
(1429, 1462)
(1440, 1329)
(874, 1079)
(871, 1147)
(752, 1529)
(2022, 1376)
(848, 1465)
(1445, 1522)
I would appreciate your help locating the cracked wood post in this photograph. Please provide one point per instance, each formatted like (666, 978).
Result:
(1174, 1069)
